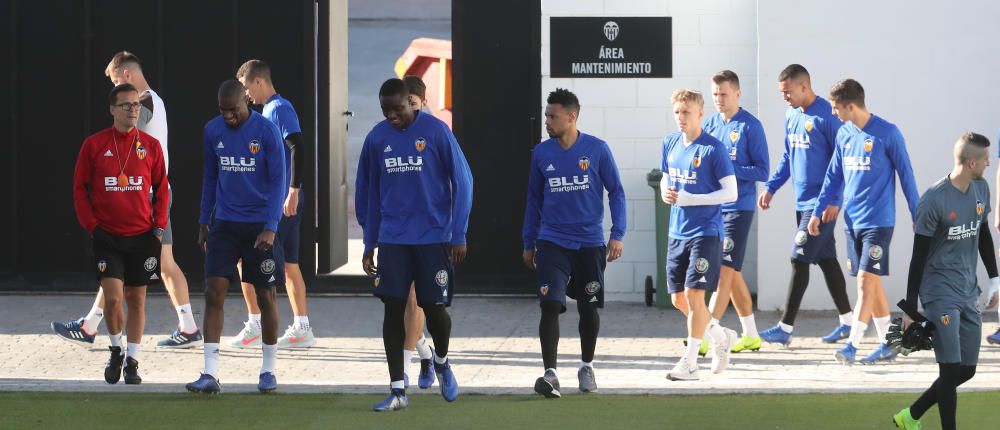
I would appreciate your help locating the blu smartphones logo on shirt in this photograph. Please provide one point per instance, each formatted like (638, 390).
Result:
(402, 165)
(963, 231)
(678, 176)
(112, 184)
(857, 163)
(241, 164)
(799, 140)
(562, 184)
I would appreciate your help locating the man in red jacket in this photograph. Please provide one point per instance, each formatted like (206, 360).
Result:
(116, 171)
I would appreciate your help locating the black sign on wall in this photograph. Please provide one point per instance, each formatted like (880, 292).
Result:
(592, 47)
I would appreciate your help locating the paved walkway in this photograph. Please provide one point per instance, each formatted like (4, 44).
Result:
(494, 350)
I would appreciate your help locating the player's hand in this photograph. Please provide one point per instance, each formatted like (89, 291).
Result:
(368, 263)
(996, 221)
(906, 321)
(764, 200)
(614, 250)
(528, 256)
(291, 202)
(202, 236)
(669, 195)
(159, 235)
(457, 252)
(814, 225)
(988, 299)
(265, 241)
(830, 213)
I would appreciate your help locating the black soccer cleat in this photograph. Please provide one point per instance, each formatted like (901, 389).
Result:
(113, 370)
(132, 371)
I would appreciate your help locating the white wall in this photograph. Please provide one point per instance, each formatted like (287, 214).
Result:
(929, 67)
(633, 115)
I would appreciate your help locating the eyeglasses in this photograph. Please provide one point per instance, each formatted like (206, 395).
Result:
(128, 106)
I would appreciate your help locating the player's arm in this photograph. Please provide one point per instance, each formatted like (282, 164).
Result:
(728, 190)
(532, 213)
(297, 151)
(782, 172)
(81, 190)
(276, 178)
(928, 219)
(829, 200)
(900, 159)
(209, 183)
(611, 178)
(918, 260)
(461, 189)
(612, 181)
(760, 162)
(146, 107)
(161, 191)
(367, 198)
(988, 254)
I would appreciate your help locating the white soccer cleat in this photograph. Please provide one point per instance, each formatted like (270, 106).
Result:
(296, 338)
(683, 371)
(722, 349)
(249, 337)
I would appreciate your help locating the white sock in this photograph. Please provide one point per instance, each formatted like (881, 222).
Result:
(93, 320)
(116, 339)
(407, 356)
(749, 326)
(270, 356)
(212, 359)
(785, 327)
(302, 322)
(397, 385)
(255, 319)
(692, 352)
(186, 319)
(586, 364)
(132, 350)
(423, 349)
(847, 319)
(857, 333)
(881, 327)
(440, 360)
(715, 331)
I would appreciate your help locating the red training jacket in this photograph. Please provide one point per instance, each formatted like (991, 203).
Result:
(120, 209)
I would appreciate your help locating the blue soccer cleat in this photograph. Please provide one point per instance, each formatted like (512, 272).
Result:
(994, 339)
(395, 401)
(838, 334)
(426, 378)
(846, 354)
(267, 383)
(206, 384)
(882, 353)
(180, 340)
(446, 379)
(72, 332)
(776, 335)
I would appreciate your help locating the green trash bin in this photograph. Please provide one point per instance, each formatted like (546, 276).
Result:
(662, 221)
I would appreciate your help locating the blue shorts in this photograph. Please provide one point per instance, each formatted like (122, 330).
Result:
(868, 250)
(958, 331)
(289, 230)
(229, 242)
(693, 263)
(813, 249)
(737, 232)
(577, 273)
(426, 265)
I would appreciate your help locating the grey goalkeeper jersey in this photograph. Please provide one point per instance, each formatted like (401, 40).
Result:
(952, 219)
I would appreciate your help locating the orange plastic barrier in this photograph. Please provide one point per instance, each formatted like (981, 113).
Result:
(430, 59)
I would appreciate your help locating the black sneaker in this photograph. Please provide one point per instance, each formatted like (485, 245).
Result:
(113, 370)
(548, 385)
(132, 371)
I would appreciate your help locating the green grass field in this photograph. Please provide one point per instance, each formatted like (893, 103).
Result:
(346, 411)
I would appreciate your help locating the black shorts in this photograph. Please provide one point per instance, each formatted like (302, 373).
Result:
(576, 273)
(133, 259)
